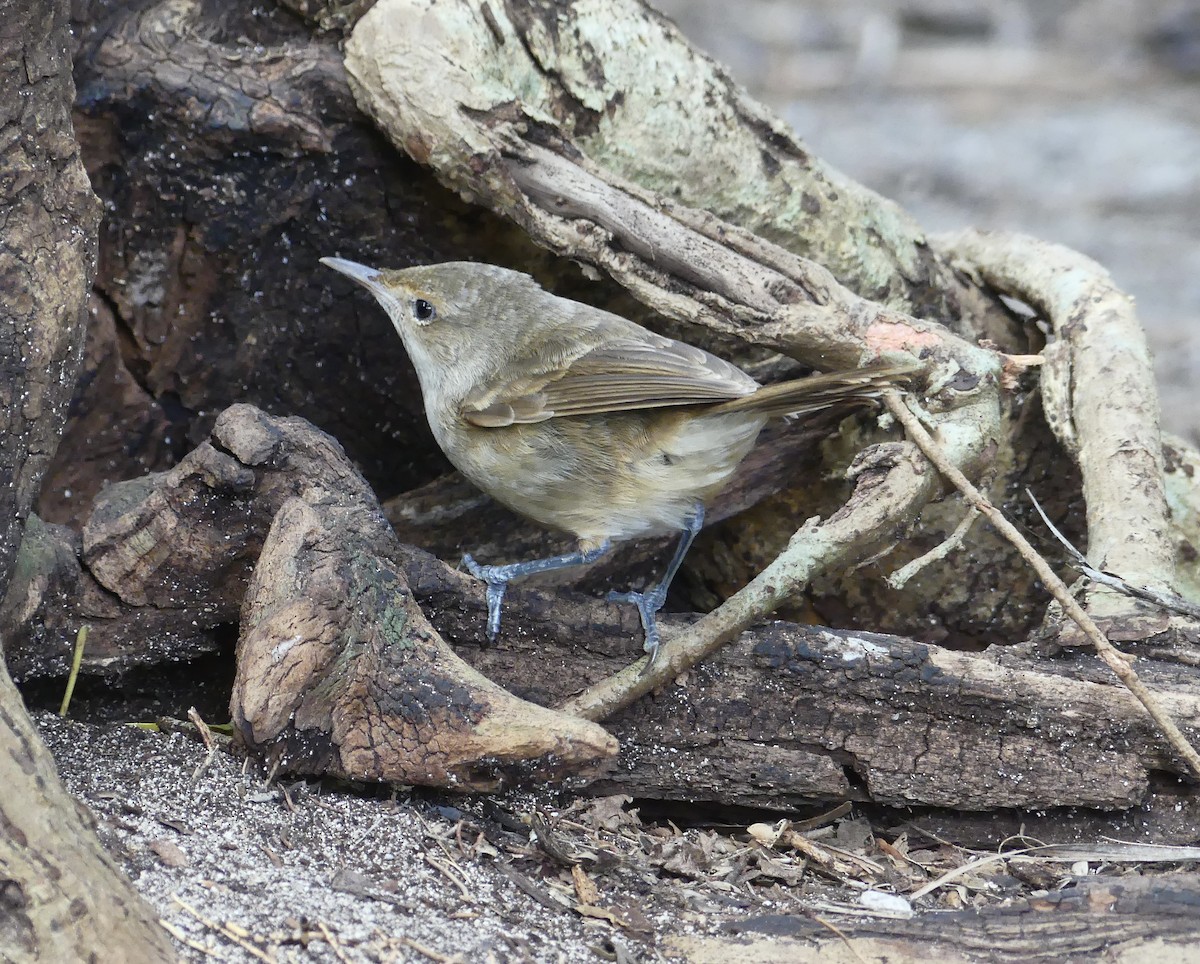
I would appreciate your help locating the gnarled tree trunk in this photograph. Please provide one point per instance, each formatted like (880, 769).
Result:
(62, 897)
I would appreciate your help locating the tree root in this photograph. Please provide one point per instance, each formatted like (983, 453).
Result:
(1101, 401)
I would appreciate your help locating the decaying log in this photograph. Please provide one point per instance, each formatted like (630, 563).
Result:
(787, 715)
(1128, 920)
(63, 898)
(52, 594)
(791, 713)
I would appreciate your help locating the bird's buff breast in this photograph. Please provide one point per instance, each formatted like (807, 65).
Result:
(608, 476)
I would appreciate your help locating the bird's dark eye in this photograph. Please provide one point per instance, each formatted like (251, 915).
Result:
(423, 310)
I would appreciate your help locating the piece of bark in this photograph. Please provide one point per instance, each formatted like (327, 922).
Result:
(63, 898)
(872, 717)
(1127, 919)
(52, 595)
(339, 673)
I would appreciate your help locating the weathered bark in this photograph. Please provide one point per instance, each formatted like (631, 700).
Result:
(672, 122)
(52, 594)
(63, 898)
(47, 256)
(791, 713)
(1127, 920)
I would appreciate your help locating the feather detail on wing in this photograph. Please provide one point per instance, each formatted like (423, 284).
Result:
(624, 373)
(816, 393)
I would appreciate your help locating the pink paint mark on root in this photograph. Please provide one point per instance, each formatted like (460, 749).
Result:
(884, 335)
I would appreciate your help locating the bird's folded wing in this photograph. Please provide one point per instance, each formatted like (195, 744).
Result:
(620, 375)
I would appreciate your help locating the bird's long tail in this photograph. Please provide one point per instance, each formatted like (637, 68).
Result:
(816, 393)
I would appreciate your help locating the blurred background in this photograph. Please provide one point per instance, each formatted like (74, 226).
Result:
(1077, 122)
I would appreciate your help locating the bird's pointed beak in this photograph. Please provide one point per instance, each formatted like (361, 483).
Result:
(367, 277)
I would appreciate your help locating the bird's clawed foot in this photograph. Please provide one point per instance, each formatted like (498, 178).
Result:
(648, 604)
(497, 582)
(498, 577)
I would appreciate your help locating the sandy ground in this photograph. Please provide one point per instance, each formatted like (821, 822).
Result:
(301, 874)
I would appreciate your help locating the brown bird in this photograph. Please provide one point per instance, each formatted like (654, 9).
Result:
(578, 418)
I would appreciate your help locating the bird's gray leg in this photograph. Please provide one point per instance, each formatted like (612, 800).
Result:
(497, 577)
(651, 601)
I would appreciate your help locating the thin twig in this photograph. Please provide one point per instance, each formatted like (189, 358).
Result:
(209, 742)
(1109, 653)
(224, 931)
(202, 728)
(332, 942)
(180, 936)
(951, 875)
(76, 662)
(447, 872)
(1163, 599)
(899, 578)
